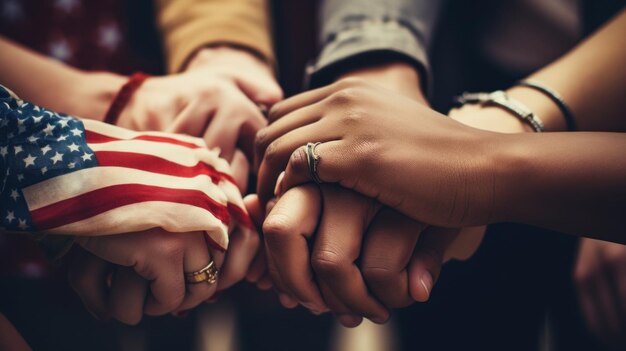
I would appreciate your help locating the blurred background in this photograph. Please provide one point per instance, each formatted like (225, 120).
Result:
(516, 293)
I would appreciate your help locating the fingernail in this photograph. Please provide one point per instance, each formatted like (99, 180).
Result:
(315, 307)
(287, 300)
(379, 320)
(279, 184)
(427, 282)
(349, 321)
(181, 314)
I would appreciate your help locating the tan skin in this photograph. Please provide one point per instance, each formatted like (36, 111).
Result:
(378, 281)
(365, 129)
(350, 114)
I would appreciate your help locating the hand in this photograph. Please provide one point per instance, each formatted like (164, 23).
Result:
(151, 276)
(215, 98)
(600, 276)
(127, 275)
(381, 144)
(362, 255)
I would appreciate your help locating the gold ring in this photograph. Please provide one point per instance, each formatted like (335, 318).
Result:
(207, 274)
(313, 159)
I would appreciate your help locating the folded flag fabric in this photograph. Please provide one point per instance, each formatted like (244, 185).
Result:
(64, 175)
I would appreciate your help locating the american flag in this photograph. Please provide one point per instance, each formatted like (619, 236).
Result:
(63, 175)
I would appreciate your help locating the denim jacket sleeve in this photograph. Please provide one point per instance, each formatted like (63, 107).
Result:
(353, 29)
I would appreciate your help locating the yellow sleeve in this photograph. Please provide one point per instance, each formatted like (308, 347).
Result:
(188, 25)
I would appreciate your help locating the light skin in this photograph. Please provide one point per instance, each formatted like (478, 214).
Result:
(147, 270)
(215, 96)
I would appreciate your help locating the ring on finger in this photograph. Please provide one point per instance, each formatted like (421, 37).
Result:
(207, 274)
(313, 159)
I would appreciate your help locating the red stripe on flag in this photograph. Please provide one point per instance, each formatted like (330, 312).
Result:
(104, 199)
(97, 138)
(239, 215)
(154, 164)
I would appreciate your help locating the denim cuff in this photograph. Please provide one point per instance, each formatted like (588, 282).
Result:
(370, 37)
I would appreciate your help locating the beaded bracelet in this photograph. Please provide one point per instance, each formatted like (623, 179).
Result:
(123, 96)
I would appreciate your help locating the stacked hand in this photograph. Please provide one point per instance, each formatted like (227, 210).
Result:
(365, 258)
(217, 97)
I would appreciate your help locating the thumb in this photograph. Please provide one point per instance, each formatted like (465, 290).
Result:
(425, 265)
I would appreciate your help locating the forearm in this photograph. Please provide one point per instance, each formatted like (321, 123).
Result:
(57, 86)
(570, 182)
(591, 79)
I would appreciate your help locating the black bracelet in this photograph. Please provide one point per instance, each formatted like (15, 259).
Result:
(556, 98)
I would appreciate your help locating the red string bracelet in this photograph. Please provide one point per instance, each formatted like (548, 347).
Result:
(123, 96)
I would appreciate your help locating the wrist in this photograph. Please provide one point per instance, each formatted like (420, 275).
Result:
(400, 77)
(512, 162)
(222, 54)
(541, 106)
(93, 93)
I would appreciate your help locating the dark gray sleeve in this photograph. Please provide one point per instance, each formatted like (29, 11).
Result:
(351, 30)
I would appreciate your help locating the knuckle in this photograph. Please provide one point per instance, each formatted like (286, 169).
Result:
(276, 226)
(344, 97)
(272, 153)
(260, 140)
(276, 111)
(298, 159)
(169, 247)
(377, 271)
(353, 117)
(326, 262)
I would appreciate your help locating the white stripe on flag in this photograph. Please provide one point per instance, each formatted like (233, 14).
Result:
(173, 217)
(123, 133)
(80, 182)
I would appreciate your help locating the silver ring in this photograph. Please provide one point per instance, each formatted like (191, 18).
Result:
(313, 160)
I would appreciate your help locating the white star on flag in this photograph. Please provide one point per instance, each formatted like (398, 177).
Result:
(86, 156)
(22, 225)
(56, 158)
(48, 130)
(45, 149)
(63, 123)
(30, 160)
(73, 147)
(10, 216)
(17, 149)
(76, 132)
(14, 194)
